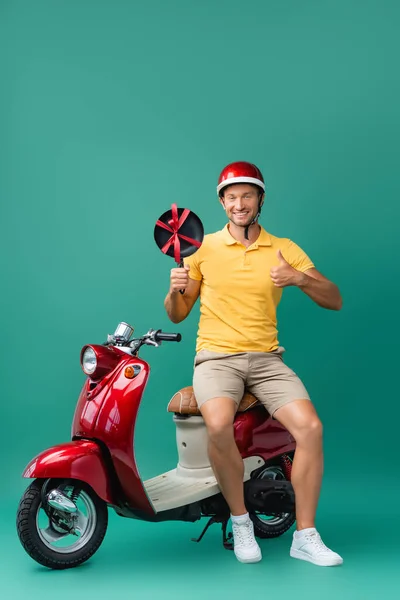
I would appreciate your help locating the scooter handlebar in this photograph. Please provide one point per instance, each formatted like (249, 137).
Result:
(160, 336)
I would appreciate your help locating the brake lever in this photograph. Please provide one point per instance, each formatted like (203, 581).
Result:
(149, 338)
(150, 342)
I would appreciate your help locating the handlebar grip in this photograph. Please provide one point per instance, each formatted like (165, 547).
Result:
(167, 337)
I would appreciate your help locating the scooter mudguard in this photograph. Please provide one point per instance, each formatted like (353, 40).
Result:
(81, 460)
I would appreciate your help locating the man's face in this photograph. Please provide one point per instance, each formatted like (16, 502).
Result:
(241, 203)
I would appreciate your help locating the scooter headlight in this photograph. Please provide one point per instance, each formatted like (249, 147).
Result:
(89, 361)
(97, 361)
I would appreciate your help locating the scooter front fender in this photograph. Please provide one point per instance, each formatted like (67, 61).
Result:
(81, 460)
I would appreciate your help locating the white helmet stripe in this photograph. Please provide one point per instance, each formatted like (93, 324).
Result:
(240, 180)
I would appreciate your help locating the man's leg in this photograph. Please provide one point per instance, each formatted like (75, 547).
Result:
(227, 464)
(286, 398)
(300, 419)
(218, 383)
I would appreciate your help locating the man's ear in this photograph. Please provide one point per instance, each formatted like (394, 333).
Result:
(221, 199)
(262, 197)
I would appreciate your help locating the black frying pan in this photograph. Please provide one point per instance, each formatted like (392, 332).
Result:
(178, 233)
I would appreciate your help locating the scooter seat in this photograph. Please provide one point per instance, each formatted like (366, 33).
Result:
(184, 402)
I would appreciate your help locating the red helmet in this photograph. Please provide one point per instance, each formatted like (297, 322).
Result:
(240, 172)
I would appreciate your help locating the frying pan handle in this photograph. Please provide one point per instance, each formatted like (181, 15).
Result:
(181, 265)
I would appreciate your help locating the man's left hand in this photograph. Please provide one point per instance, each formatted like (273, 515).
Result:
(284, 275)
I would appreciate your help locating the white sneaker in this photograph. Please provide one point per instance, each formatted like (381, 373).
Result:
(309, 546)
(244, 544)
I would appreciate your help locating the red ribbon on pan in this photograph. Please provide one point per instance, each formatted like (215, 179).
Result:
(173, 226)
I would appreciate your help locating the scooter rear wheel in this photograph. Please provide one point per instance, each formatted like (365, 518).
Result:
(47, 544)
(271, 526)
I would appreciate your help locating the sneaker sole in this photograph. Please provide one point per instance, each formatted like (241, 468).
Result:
(252, 559)
(321, 563)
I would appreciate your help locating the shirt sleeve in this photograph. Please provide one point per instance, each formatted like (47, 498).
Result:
(194, 264)
(297, 258)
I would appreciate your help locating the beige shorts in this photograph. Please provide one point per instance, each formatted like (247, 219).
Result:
(264, 374)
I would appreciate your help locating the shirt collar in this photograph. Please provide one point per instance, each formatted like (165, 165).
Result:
(264, 239)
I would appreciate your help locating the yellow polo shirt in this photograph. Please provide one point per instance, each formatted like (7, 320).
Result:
(238, 300)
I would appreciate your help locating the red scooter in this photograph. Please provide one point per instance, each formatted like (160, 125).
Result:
(63, 514)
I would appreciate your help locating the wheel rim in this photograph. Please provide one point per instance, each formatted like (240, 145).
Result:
(272, 472)
(58, 540)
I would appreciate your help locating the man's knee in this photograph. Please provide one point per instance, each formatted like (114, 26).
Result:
(309, 431)
(219, 431)
(218, 415)
(301, 420)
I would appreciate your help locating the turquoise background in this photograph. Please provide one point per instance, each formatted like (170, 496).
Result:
(111, 111)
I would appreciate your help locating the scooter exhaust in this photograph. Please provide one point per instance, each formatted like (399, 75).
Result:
(56, 499)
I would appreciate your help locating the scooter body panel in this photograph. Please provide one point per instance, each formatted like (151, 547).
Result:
(81, 460)
(109, 415)
(258, 434)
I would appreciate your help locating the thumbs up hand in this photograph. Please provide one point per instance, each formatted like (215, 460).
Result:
(284, 275)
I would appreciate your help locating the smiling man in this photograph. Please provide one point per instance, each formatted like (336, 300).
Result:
(239, 274)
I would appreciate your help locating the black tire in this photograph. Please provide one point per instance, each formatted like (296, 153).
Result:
(30, 539)
(264, 530)
(275, 527)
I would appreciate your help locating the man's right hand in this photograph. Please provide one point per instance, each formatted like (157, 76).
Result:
(179, 279)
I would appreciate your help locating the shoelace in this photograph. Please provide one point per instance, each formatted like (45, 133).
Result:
(243, 533)
(315, 540)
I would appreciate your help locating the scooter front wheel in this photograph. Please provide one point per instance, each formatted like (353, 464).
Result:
(56, 538)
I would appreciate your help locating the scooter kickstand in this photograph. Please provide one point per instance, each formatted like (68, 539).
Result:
(226, 539)
(210, 522)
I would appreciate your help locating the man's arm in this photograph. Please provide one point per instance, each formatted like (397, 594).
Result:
(178, 305)
(322, 291)
(325, 293)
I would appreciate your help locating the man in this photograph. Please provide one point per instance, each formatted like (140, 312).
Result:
(239, 274)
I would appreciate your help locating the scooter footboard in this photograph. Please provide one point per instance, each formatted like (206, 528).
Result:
(80, 459)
